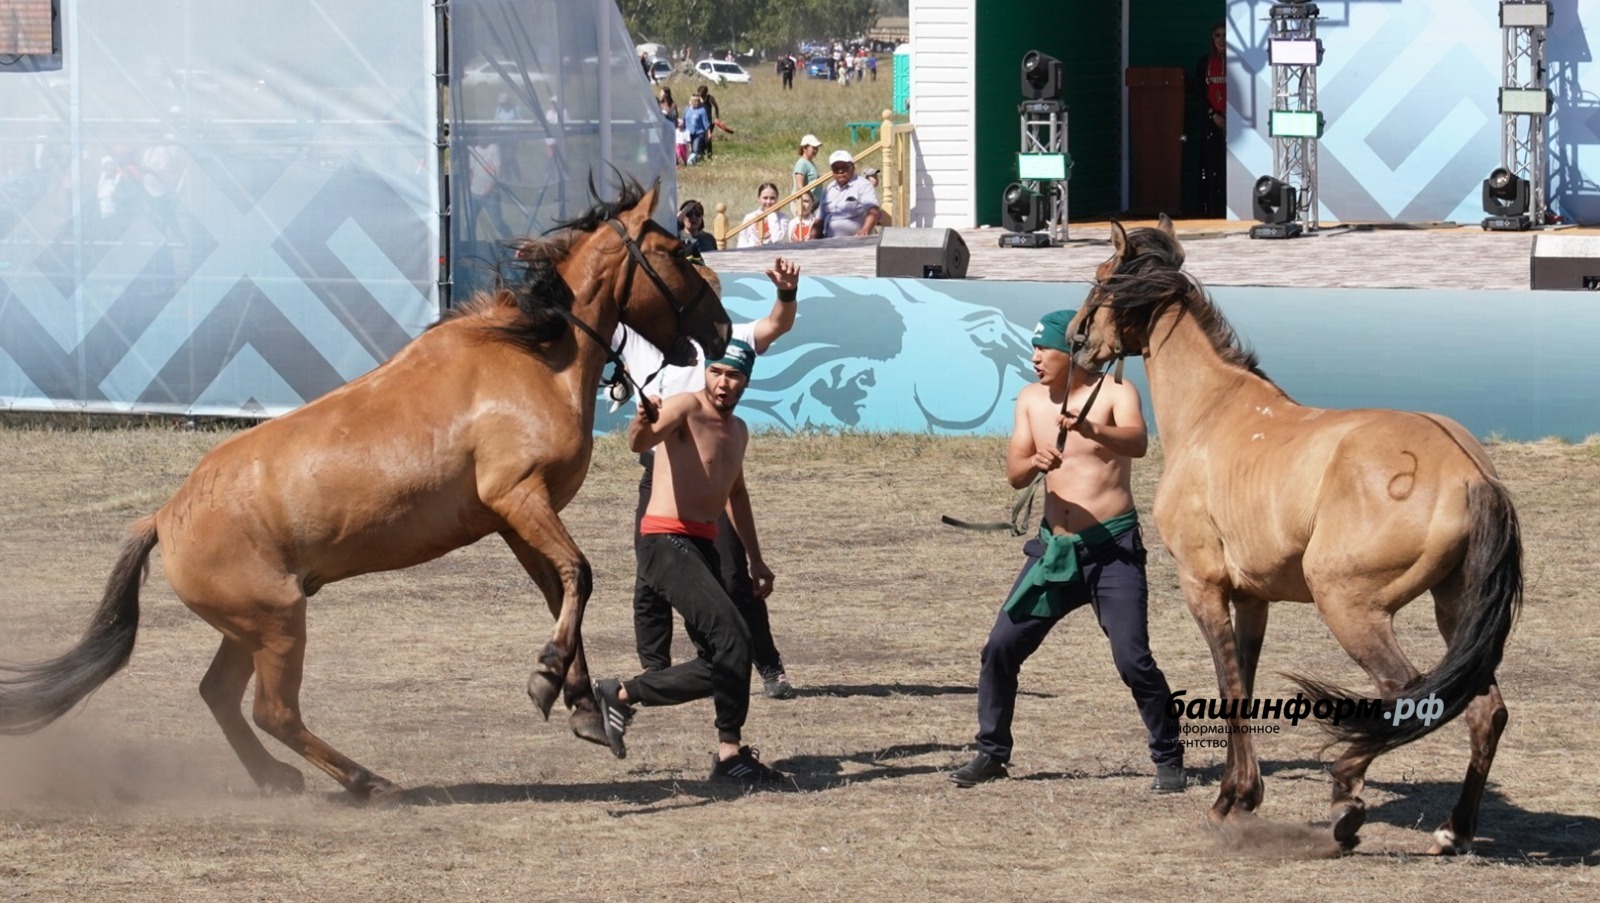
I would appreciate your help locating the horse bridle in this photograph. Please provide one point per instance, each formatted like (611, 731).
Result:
(1075, 343)
(621, 382)
(636, 255)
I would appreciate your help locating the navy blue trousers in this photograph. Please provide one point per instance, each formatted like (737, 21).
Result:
(1114, 585)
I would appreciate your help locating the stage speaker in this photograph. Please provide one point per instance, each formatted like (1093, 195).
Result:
(922, 253)
(1565, 262)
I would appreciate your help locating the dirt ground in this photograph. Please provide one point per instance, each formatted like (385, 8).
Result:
(880, 612)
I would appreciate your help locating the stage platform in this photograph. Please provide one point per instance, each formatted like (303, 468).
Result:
(1220, 252)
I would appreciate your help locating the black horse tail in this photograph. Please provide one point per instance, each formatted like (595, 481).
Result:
(1491, 598)
(32, 696)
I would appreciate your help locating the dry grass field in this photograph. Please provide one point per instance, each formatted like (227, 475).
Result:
(880, 612)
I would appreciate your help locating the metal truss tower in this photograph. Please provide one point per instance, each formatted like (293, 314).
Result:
(1294, 89)
(1522, 131)
(1044, 131)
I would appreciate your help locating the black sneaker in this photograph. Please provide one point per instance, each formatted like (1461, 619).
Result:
(746, 769)
(1170, 779)
(775, 683)
(614, 713)
(983, 767)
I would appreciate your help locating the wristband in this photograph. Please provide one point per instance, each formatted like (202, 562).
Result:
(787, 295)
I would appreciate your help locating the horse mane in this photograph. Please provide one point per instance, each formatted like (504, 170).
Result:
(527, 283)
(1151, 279)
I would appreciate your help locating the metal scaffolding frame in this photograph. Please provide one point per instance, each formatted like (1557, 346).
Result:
(1294, 88)
(1522, 135)
(1044, 131)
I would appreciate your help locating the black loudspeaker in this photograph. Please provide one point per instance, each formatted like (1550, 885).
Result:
(1565, 262)
(922, 253)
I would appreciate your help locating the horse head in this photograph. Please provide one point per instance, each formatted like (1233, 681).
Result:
(1143, 274)
(659, 292)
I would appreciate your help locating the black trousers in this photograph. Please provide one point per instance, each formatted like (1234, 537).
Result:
(652, 615)
(682, 569)
(1114, 585)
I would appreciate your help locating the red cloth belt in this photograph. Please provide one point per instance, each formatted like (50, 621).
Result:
(656, 524)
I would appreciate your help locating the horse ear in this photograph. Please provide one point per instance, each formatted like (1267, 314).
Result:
(1165, 226)
(651, 198)
(1119, 240)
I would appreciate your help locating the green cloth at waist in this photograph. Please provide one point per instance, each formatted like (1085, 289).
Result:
(1059, 564)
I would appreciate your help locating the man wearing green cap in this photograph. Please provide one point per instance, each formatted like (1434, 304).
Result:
(652, 616)
(698, 474)
(1088, 551)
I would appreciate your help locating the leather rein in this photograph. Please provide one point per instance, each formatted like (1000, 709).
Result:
(1021, 520)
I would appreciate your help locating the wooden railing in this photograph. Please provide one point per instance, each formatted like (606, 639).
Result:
(894, 180)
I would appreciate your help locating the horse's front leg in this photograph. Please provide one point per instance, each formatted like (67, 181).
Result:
(547, 552)
(1241, 778)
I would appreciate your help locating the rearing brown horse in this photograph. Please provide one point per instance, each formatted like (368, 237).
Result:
(481, 425)
(1357, 512)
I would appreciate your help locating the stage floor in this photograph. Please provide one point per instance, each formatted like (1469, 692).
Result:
(1220, 252)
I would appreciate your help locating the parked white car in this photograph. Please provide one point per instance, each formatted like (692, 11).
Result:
(723, 72)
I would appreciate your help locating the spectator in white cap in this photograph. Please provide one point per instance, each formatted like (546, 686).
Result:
(805, 171)
(850, 203)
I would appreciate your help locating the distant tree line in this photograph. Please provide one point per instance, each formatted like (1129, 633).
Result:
(765, 26)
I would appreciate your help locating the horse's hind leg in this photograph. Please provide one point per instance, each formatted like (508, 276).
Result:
(1486, 721)
(576, 691)
(1366, 631)
(280, 664)
(223, 688)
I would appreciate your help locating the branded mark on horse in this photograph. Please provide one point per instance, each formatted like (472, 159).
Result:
(1357, 512)
(481, 425)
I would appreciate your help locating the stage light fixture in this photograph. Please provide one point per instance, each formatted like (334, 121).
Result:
(1041, 76)
(1294, 52)
(1274, 201)
(1527, 101)
(1276, 204)
(1515, 14)
(1295, 123)
(1505, 199)
(1021, 209)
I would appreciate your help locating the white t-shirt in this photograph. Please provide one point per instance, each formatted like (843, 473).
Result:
(644, 359)
(776, 229)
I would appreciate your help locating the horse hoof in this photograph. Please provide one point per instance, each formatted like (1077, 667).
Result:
(543, 691)
(1347, 822)
(1445, 843)
(281, 780)
(383, 793)
(1218, 813)
(587, 725)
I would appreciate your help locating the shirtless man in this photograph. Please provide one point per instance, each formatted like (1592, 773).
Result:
(652, 615)
(1089, 551)
(698, 474)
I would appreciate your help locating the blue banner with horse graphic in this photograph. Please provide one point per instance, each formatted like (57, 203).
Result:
(949, 356)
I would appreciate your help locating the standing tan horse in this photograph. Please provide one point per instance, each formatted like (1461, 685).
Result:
(1356, 512)
(481, 425)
